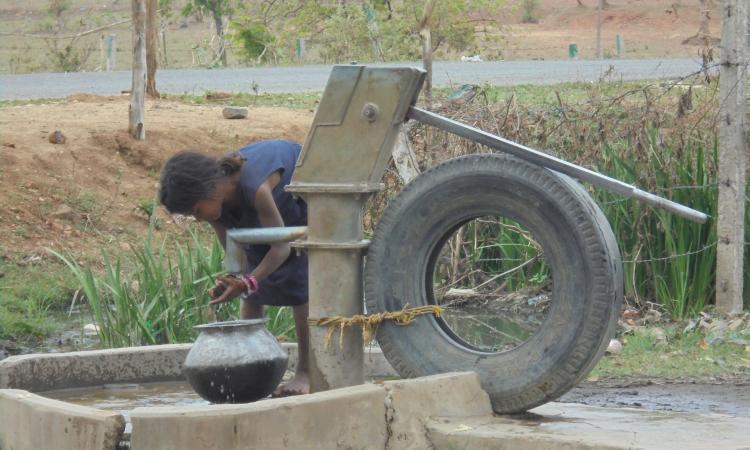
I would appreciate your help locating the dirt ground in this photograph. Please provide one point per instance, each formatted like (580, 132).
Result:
(86, 192)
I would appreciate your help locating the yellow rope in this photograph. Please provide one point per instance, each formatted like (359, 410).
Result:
(369, 323)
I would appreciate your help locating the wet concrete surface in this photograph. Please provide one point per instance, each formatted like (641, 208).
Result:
(565, 426)
(731, 398)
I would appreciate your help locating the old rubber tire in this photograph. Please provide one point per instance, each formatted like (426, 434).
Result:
(578, 245)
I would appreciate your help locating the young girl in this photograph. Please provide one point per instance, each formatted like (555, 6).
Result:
(246, 190)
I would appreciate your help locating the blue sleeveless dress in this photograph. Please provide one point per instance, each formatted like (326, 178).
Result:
(287, 286)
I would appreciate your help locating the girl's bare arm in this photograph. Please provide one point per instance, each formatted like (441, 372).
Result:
(221, 233)
(269, 216)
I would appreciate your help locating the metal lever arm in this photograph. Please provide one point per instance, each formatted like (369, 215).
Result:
(550, 162)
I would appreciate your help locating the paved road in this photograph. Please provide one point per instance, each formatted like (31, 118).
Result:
(313, 77)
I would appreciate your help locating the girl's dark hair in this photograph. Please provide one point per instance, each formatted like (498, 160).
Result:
(188, 177)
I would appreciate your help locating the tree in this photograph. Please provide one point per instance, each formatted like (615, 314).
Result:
(703, 36)
(529, 11)
(218, 10)
(152, 23)
(447, 24)
(65, 56)
(426, 36)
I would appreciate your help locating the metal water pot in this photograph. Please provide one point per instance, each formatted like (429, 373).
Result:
(238, 361)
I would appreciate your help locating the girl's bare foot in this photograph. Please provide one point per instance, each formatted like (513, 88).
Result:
(298, 385)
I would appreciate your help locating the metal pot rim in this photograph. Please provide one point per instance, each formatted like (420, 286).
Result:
(231, 324)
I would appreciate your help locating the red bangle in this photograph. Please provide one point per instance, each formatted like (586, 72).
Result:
(250, 282)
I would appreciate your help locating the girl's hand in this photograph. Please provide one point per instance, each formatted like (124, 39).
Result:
(226, 288)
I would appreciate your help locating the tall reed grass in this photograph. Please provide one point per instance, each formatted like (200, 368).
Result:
(667, 259)
(157, 294)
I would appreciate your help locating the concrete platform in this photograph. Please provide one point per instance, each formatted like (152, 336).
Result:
(558, 426)
(448, 411)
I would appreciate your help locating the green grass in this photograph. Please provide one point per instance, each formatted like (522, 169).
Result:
(565, 94)
(156, 293)
(681, 356)
(27, 295)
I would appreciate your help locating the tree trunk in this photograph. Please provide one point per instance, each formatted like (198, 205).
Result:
(730, 229)
(218, 22)
(152, 47)
(703, 36)
(403, 156)
(704, 28)
(138, 89)
(426, 36)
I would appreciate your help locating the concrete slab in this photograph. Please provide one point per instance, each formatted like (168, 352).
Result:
(558, 426)
(32, 422)
(348, 418)
(410, 403)
(52, 371)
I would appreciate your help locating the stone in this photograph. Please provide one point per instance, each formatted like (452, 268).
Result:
(614, 347)
(736, 324)
(652, 316)
(234, 113)
(32, 422)
(658, 334)
(409, 403)
(90, 329)
(57, 137)
(690, 327)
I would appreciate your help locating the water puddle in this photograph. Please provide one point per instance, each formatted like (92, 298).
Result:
(126, 397)
(123, 398)
(76, 332)
(731, 399)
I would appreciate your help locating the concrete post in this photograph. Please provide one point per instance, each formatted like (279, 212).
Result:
(732, 158)
(335, 248)
(599, 7)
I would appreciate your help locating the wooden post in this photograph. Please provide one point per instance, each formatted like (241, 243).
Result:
(426, 35)
(152, 45)
(599, 6)
(102, 57)
(165, 61)
(138, 89)
(732, 159)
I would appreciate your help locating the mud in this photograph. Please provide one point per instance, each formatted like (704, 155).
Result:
(727, 398)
